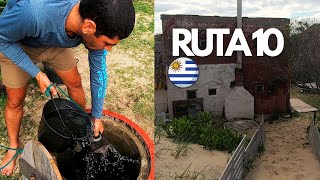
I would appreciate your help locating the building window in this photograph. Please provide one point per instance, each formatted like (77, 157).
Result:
(259, 88)
(232, 84)
(212, 91)
(191, 94)
(272, 88)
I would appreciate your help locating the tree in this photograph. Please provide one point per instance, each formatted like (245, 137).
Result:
(304, 53)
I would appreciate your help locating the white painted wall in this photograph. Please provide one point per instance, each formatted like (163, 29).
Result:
(218, 76)
(239, 104)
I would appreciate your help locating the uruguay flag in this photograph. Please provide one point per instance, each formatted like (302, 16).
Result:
(183, 72)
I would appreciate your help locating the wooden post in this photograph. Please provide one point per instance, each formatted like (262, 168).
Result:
(37, 163)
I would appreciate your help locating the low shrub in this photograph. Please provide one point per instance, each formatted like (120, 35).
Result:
(199, 129)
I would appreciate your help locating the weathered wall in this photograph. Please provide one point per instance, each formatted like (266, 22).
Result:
(213, 76)
(239, 104)
(159, 64)
(160, 100)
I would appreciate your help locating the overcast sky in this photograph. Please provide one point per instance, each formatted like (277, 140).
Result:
(250, 8)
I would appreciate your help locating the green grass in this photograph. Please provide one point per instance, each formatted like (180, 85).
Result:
(144, 7)
(28, 127)
(199, 129)
(3, 129)
(141, 39)
(139, 46)
(2, 99)
(2, 5)
(142, 97)
(309, 98)
(181, 149)
(188, 174)
(16, 177)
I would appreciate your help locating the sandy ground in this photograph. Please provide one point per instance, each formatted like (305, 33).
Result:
(116, 60)
(287, 156)
(193, 163)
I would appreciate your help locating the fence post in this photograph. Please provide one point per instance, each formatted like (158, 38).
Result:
(235, 167)
(237, 164)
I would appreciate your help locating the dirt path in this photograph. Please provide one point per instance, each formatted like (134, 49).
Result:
(286, 155)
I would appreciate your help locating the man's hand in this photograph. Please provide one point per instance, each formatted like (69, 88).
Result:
(98, 127)
(44, 82)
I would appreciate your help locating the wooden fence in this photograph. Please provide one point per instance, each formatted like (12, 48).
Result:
(256, 143)
(235, 167)
(314, 137)
(244, 155)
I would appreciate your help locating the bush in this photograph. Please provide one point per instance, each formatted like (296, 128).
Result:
(2, 5)
(199, 129)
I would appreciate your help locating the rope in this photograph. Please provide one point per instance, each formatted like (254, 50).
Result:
(18, 151)
(47, 92)
(65, 94)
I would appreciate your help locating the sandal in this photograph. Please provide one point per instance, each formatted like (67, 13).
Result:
(18, 151)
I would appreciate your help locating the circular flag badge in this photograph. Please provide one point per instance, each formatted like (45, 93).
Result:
(183, 72)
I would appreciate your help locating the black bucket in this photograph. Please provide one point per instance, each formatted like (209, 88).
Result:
(64, 125)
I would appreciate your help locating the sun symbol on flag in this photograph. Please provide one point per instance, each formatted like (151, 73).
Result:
(176, 65)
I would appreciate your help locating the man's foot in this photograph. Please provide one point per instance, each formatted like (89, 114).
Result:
(8, 170)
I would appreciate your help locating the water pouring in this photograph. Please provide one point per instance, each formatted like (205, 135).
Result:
(67, 130)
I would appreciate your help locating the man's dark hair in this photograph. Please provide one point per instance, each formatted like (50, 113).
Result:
(113, 18)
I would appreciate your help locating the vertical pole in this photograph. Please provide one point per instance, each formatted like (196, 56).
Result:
(239, 25)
